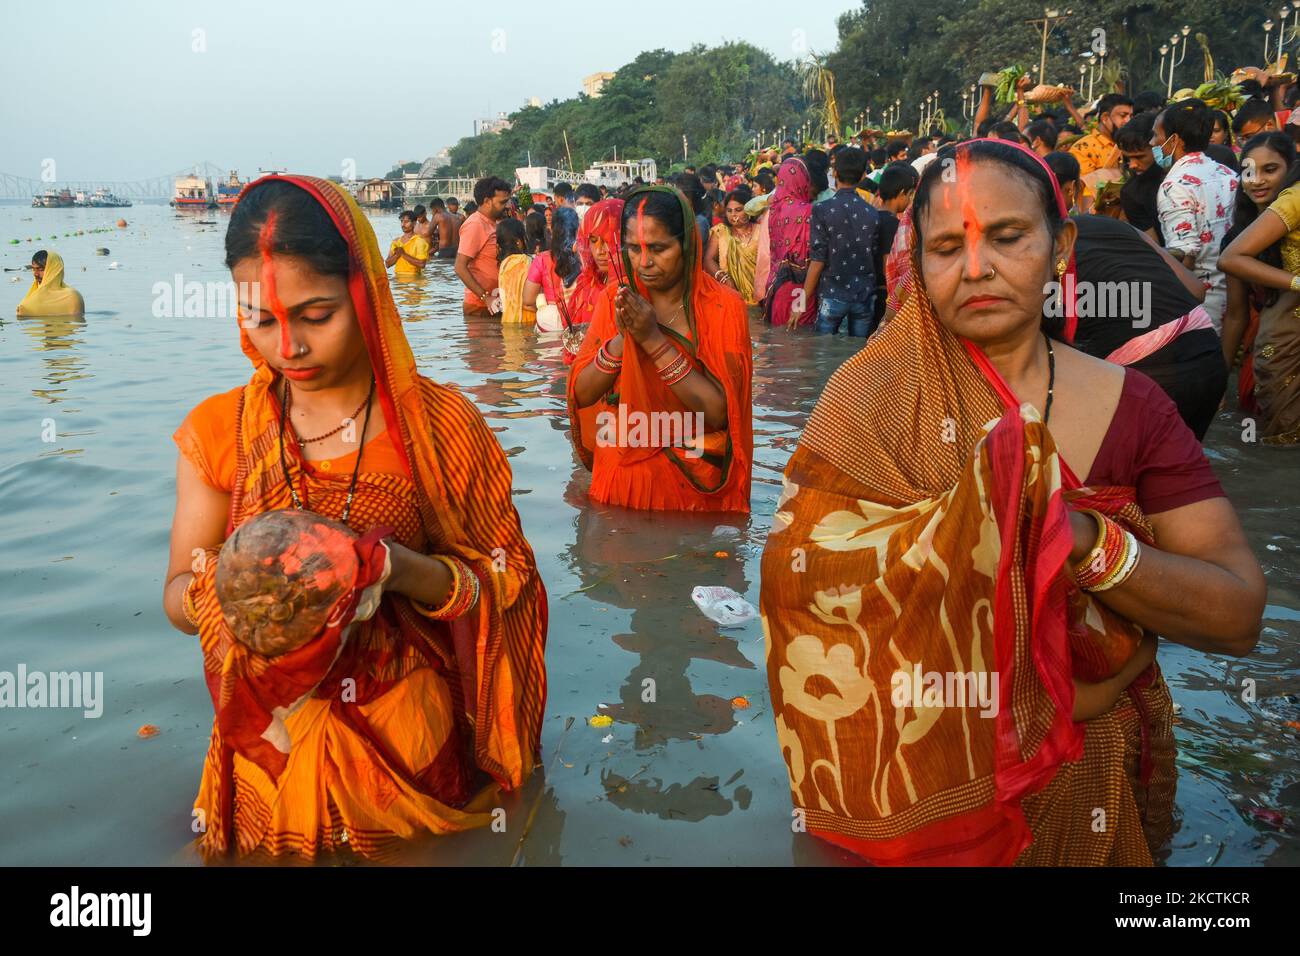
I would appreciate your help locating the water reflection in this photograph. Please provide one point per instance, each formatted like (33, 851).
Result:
(58, 334)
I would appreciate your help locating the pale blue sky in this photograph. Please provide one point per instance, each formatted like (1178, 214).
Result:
(117, 91)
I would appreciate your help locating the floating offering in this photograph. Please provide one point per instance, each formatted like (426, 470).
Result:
(601, 720)
(101, 251)
(723, 606)
(148, 730)
(121, 224)
(280, 575)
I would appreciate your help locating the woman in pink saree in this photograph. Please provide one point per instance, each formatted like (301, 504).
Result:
(789, 221)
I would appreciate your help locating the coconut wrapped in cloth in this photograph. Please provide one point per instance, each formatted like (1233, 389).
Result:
(280, 576)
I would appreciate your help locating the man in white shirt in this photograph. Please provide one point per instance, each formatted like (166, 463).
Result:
(1195, 201)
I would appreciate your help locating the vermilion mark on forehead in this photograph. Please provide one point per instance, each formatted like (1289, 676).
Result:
(640, 232)
(969, 218)
(265, 241)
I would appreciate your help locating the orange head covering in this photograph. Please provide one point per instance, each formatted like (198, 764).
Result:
(440, 439)
(718, 346)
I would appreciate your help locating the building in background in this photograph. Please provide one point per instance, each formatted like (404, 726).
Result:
(491, 125)
(592, 85)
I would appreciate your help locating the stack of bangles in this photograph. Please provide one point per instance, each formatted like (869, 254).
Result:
(606, 362)
(1111, 560)
(462, 596)
(676, 368)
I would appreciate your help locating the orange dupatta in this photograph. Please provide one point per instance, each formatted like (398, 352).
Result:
(712, 471)
(459, 479)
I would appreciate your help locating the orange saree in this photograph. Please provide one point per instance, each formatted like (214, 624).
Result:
(418, 723)
(673, 466)
(923, 632)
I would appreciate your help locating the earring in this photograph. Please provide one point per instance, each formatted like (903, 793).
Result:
(1060, 267)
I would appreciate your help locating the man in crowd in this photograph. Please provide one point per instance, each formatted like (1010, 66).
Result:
(476, 256)
(564, 195)
(1098, 150)
(843, 245)
(423, 227)
(584, 197)
(897, 184)
(446, 228)
(453, 208)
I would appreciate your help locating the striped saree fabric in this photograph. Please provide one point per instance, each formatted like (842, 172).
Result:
(419, 724)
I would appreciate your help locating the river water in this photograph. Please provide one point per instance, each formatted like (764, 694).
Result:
(87, 490)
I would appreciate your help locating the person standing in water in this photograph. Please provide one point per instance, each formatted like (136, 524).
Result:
(476, 255)
(47, 294)
(446, 228)
(409, 252)
(659, 395)
(432, 706)
(423, 227)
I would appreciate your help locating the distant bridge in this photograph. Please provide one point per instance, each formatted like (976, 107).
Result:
(155, 187)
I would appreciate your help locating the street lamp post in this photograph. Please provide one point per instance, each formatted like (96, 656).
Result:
(1048, 23)
(1283, 38)
(1176, 56)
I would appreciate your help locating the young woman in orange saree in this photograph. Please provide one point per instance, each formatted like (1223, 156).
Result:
(961, 634)
(417, 717)
(659, 396)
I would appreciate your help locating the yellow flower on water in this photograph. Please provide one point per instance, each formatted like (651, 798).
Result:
(601, 720)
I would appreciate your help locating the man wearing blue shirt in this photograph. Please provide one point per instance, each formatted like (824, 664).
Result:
(841, 271)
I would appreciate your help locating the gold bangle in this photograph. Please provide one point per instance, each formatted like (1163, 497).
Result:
(187, 603)
(1295, 283)
(1097, 546)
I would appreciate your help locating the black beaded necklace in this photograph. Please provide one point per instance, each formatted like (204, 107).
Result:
(1051, 378)
(356, 470)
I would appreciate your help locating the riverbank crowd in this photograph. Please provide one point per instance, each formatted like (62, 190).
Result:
(998, 509)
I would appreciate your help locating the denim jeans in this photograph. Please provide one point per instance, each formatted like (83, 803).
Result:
(861, 315)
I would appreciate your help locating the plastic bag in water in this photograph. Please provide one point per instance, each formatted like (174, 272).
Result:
(723, 606)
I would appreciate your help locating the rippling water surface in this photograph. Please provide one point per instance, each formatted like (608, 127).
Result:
(687, 779)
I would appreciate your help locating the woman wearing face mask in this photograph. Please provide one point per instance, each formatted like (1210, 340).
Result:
(1265, 255)
(733, 247)
(668, 363)
(956, 505)
(415, 718)
(1196, 198)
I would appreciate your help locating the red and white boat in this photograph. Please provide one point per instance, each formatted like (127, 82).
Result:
(193, 192)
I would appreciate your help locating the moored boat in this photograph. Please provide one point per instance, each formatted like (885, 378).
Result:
(228, 192)
(193, 192)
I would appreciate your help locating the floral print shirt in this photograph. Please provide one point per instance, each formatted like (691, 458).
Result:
(1195, 204)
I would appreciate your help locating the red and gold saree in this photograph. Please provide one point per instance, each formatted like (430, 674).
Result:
(923, 631)
(418, 724)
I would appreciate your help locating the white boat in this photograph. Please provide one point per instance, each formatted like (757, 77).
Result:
(103, 199)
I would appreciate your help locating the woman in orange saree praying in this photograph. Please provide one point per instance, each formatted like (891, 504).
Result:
(961, 634)
(412, 720)
(659, 395)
